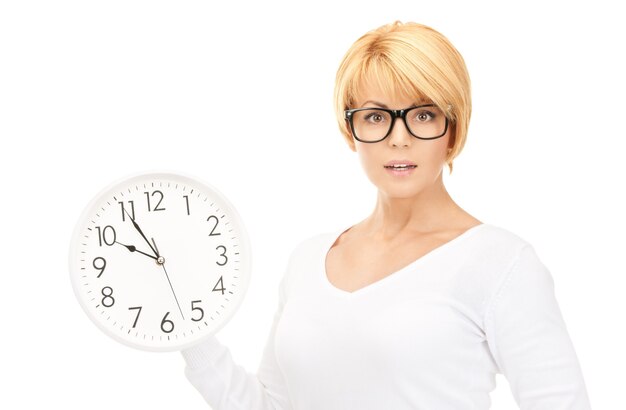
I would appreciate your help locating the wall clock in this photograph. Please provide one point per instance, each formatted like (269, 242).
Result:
(160, 260)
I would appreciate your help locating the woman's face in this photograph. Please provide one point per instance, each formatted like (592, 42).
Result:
(428, 156)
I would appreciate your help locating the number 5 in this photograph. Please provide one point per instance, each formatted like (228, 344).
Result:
(197, 308)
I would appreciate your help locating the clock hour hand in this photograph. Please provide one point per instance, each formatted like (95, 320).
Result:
(132, 248)
(141, 233)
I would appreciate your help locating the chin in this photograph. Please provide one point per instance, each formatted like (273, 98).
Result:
(400, 191)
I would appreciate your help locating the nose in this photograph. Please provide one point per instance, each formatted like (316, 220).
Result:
(399, 134)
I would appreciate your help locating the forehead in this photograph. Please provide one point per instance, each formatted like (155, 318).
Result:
(387, 91)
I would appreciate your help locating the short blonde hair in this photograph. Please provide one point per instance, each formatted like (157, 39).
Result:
(408, 59)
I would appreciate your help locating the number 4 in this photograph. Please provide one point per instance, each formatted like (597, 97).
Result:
(220, 282)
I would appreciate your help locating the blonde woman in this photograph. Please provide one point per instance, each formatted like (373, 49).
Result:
(419, 305)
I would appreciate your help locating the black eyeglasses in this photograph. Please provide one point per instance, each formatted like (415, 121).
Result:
(426, 122)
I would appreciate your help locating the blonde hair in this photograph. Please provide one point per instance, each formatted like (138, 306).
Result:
(408, 59)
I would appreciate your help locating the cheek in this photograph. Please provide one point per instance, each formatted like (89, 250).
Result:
(432, 154)
(437, 152)
(369, 158)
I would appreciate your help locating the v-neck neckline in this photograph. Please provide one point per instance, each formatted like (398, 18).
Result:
(430, 254)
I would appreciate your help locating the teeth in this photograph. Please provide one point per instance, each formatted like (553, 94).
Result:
(401, 166)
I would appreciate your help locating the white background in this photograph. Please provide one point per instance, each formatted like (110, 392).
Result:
(240, 95)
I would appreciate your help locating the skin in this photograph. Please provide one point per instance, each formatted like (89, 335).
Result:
(412, 215)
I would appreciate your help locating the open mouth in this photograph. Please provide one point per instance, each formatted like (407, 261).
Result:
(400, 167)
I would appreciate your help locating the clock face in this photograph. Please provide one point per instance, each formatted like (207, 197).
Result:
(159, 261)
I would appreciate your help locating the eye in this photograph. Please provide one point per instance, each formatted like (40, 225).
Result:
(425, 115)
(374, 117)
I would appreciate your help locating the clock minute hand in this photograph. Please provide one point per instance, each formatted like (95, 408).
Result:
(141, 233)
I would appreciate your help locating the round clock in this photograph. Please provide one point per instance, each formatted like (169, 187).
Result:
(159, 261)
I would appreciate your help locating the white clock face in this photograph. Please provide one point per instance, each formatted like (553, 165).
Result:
(159, 261)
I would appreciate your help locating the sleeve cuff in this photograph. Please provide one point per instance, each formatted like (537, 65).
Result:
(199, 355)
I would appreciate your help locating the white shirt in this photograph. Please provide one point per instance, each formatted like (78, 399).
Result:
(430, 336)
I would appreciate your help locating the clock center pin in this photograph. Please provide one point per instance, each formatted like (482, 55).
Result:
(160, 260)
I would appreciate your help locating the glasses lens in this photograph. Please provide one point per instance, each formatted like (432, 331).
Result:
(426, 122)
(371, 124)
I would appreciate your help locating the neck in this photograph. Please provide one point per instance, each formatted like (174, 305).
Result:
(427, 211)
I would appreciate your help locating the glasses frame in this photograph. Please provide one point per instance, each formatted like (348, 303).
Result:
(349, 114)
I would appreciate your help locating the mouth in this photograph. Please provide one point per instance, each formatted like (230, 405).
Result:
(400, 167)
(400, 164)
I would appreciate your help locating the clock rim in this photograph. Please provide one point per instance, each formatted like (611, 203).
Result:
(245, 267)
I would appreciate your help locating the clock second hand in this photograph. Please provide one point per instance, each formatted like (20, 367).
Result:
(161, 262)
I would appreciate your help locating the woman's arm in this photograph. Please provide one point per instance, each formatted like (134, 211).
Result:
(529, 341)
(226, 385)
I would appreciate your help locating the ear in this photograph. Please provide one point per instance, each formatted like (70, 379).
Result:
(352, 145)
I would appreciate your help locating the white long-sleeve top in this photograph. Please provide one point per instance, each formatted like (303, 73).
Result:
(430, 336)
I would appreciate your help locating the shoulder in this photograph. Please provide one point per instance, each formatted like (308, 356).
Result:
(307, 254)
(311, 246)
(308, 249)
(496, 239)
(509, 252)
(493, 251)
(497, 233)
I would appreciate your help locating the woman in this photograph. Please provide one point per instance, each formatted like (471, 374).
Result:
(419, 305)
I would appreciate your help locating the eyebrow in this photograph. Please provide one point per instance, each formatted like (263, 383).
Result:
(375, 103)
